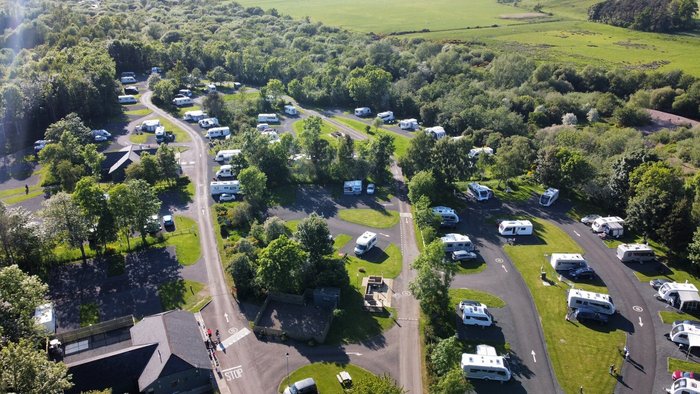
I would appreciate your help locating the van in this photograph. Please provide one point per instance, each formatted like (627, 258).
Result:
(268, 118)
(515, 227)
(304, 386)
(208, 122)
(362, 112)
(386, 117)
(225, 171)
(635, 252)
(182, 101)
(567, 261)
(290, 110)
(218, 132)
(597, 302)
(486, 364)
(127, 79)
(226, 154)
(408, 124)
(454, 242)
(365, 242)
(477, 315)
(127, 99)
(448, 216)
(185, 92)
(480, 192)
(684, 386)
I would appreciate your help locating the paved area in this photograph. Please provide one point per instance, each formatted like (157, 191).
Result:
(301, 320)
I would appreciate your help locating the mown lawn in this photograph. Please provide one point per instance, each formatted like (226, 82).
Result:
(370, 217)
(488, 299)
(19, 194)
(674, 364)
(89, 314)
(401, 142)
(138, 112)
(579, 353)
(521, 190)
(180, 134)
(185, 239)
(182, 294)
(326, 130)
(469, 267)
(668, 317)
(386, 263)
(323, 374)
(292, 225)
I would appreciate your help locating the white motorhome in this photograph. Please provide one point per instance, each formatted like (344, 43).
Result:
(475, 152)
(684, 386)
(597, 302)
(567, 261)
(160, 133)
(477, 315)
(182, 101)
(218, 132)
(684, 296)
(127, 79)
(598, 225)
(685, 334)
(268, 118)
(408, 124)
(453, 242)
(386, 116)
(290, 110)
(515, 227)
(211, 88)
(549, 197)
(44, 316)
(127, 99)
(228, 187)
(485, 364)
(635, 252)
(365, 242)
(194, 116)
(362, 112)
(208, 122)
(480, 192)
(437, 132)
(226, 154)
(150, 125)
(448, 216)
(352, 187)
(225, 171)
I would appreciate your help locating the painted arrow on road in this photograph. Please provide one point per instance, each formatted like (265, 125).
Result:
(577, 234)
(640, 322)
(533, 356)
(226, 316)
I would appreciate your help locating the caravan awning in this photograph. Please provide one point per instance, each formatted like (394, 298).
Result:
(689, 298)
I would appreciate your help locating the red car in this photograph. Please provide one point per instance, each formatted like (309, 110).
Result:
(677, 374)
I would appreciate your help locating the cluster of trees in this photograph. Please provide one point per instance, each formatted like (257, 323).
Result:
(647, 15)
(162, 166)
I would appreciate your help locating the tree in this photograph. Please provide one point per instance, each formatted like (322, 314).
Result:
(71, 124)
(453, 382)
(88, 195)
(511, 70)
(425, 217)
(373, 384)
(647, 210)
(422, 184)
(445, 355)
(514, 158)
(133, 203)
(344, 165)
(274, 228)
(92, 160)
(619, 181)
(20, 239)
(694, 249)
(24, 369)
(151, 168)
(281, 266)
(218, 74)
(178, 74)
(164, 90)
(254, 185)
(65, 221)
(629, 116)
(418, 155)
(314, 146)
(569, 119)
(242, 271)
(273, 91)
(20, 294)
(167, 162)
(431, 287)
(378, 156)
(368, 84)
(314, 237)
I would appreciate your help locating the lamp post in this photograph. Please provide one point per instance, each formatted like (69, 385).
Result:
(287, 354)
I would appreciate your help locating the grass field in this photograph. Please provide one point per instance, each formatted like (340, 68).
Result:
(578, 353)
(490, 300)
(401, 142)
(675, 364)
(182, 294)
(323, 374)
(138, 112)
(185, 240)
(370, 217)
(326, 130)
(18, 194)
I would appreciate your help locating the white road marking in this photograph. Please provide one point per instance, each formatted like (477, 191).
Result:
(640, 322)
(234, 338)
(504, 268)
(533, 356)
(226, 316)
(386, 235)
(354, 353)
(575, 232)
(233, 373)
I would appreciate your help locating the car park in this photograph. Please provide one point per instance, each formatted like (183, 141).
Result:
(583, 314)
(658, 282)
(168, 221)
(588, 219)
(370, 188)
(463, 255)
(227, 197)
(583, 273)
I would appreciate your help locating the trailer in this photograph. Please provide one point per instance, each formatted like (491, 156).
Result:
(127, 99)
(362, 112)
(218, 132)
(386, 116)
(454, 242)
(567, 261)
(549, 197)
(268, 118)
(486, 364)
(194, 116)
(182, 101)
(448, 216)
(408, 124)
(150, 125)
(291, 110)
(226, 155)
(635, 252)
(221, 187)
(597, 302)
(437, 132)
(515, 227)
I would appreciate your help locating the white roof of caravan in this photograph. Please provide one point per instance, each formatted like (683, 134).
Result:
(435, 130)
(268, 115)
(195, 113)
(477, 186)
(567, 256)
(452, 237)
(385, 113)
(289, 107)
(490, 359)
(229, 152)
(441, 209)
(226, 167)
(524, 223)
(353, 183)
(410, 120)
(44, 313)
(152, 122)
(609, 219)
(365, 237)
(160, 130)
(361, 108)
(476, 151)
(222, 128)
(486, 350)
(224, 183)
(680, 286)
(638, 247)
(589, 295)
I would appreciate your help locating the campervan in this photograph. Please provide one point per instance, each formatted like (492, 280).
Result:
(127, 79)
(218, 132)
(448, 216)
(549, 197)
(485, 364)
(361, 112)
(635, 252)
(160, 134)
(225, 171)
(408, 124)
(290, 110)
(437, 132)
(683, 333)
(208, 122)
(477, 315)
(150, 125)
(194, 116)
(211, 88)
(386, 116)
(684, 386)
(268, 118)
(226, 154)
(182, 101)
(475, 152)
(185, 92)
(480, 192)
(352, 187)
(567, 261)
(598, 225)
(515, 227)
(127, 99)
(365, 242)
(228, 187)
(453, 242)
(680, 295)
(597, 302)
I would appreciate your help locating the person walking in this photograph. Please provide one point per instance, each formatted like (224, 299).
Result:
(26, 189)
(611, 370)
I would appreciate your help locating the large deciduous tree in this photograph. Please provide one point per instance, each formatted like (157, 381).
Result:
(314, 236)
(71, 124)
(20, 239)
(64, 221)
(24, 369)
(20, 294)
(281, 266)
(422, 184)
(378, 155)
(254, 186)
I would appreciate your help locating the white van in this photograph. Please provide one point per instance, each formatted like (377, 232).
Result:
(386, 116)
(352, 188)
(226, 154)
(682, 333)
(362, 112)
(228, 187)
(127, 99)
(480, 192)
(182, 101)
(448, 216)
(365, 242)
(515, 227)
(194, 116)
(485, 364)
(268, 118)
(549, 197)
(290, 110)
(597, 302)
(408, 124)
(598, 225)
(127, 79)
(684, 386)
(218, 132)
(635, 252)
(567, 261)
(225, 171)
(680, 295)
(477, 315)
(454, 242)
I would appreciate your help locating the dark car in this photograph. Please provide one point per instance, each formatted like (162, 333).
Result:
(582, 314)
(131, 90)
(658, 282)
(583, 273)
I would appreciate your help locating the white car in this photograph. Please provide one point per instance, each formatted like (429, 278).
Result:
(462, 255)
(588, 219)
(370, 188)
(227, 197)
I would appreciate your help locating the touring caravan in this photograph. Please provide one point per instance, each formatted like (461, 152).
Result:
(476, 315)
(567, 261)
(454, 242)
(515, 227)
(408, 124)
(228, 187)
(635, 252)
(448, 216)
(685, 334)
(211, 88)
(683, 296)
(352, 188)
(362, 112)
(127, 99)
(226, 154)
(386, 116)
(44, 317)
(150, 125)
(598, 225)
(268, 118)
(480, 192)
(127, 79)
(182, 101)
(365, 242)
(218, 132)
(185, 92)
(475, 152)
(597, 302)
(684, 386)
(225, 171)
(194, 116)
(485, 364)
(437, 132)
(291, 110)
(549, 197)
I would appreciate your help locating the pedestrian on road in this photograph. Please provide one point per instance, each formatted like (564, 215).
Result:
(26, 189)
(209, 332)
(612, 369)
(626, 353)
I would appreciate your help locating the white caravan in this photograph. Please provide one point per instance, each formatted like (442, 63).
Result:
(480, 192)
(228, 187)
(362, 112)
(567, 261)
(225, 171)
(685, 334)
(437, 132)
(150, 125)
(454, 242)
(208, 123)
(515, 227)
(597, 302)
(549, 197)
(271, 135)
(680, 295)
(211, 88)
(448, 216)
(684, 386)
(44, 316)
(263, 127)
(127, 99)
(182, 101)
(226, 154)
(386, 116)
(160, 133)
(635, 252)
(127, 79)
(408, 124)
(194, 116)
(598, 225)
(485, 364)
(365, 242)
(218, 132)
(477, 315)
(268, 118)
(475, 152)
(352, 188)
(290, 110)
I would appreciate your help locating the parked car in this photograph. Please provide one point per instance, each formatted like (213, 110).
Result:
(131, 90)
(588, 219)
(370, 188)
(677, 374)
(464, 303)
(462, 255)
(658, 282)
(304, 386)
(168, 221)
(583, 273)
(582, 314)
(227, 197)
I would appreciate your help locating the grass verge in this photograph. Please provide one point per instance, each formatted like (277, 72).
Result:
(89, 314)
(471, 267)
(675, 364)
(185, 239)
(323, 374)
(326, 130)
(138, 112)
(386, 263)
(668, 317)
(490, 300)
(181, 294)
(19, 194)
(370, 217)
(340, 241)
